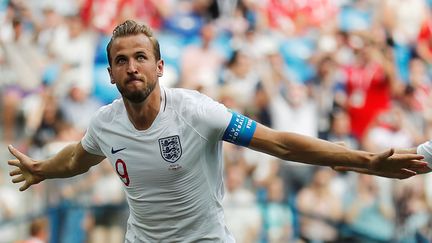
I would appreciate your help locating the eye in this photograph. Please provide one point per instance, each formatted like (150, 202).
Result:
(121, 60)
(141, 58)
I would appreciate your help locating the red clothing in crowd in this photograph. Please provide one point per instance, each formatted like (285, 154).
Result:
(281, 12)
(368, 91)
(425, 34)
(104, 15)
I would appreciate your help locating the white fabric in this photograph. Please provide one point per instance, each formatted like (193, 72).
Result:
(425, 149)
(169, 202)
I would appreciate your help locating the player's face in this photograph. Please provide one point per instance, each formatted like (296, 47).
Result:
(134, 68)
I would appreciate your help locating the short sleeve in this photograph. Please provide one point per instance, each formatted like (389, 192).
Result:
(216, 122)
(213, 118)
(90, 139)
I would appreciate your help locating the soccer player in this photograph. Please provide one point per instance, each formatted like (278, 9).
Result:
(166, 146)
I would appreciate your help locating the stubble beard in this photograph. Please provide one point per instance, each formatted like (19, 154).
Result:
(137, 96)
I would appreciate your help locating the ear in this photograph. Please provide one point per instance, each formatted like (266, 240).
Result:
(160, 68)
(110, 74)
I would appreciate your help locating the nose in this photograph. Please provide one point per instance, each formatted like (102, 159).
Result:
(131, 68)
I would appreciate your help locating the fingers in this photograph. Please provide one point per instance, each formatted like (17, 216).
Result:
(417, 164)
(423, 170)
(18, 173)
(15, 172)
(405, 156)
(406, 151)
(405, 173)
(18, 179)
(25, 186)
(408, 156)
(411, 163)
(15, 152)
(22, 178)
(14, 162)
(389, 161)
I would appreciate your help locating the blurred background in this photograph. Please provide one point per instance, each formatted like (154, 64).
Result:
(342, 70)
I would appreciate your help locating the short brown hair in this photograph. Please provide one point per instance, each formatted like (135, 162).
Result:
(129, 28)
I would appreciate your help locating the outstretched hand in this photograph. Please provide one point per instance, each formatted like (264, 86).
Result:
(392, 165)
(25, 169)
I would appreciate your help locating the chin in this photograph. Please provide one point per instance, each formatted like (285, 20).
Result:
(137, 96)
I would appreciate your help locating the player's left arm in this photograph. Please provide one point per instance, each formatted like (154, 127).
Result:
(305, 149)
(310, 150)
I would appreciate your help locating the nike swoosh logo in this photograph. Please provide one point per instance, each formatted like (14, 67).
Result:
(116, 150)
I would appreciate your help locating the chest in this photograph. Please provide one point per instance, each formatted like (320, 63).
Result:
(165, 154)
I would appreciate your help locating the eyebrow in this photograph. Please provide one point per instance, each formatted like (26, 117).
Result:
(140, 52)
(134, 54)
(119, 56)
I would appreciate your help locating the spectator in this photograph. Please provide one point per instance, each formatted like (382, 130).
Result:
(340, 129)
(78, 106)
(277, 215)
(320, 210)
(239, 74)
(293, 110)
(327, 90)
(389, 130)
(368, 216)
(43, 122)
(10, 204)
(413, 212)
(402, 20)
(200, 64)
(242, 214)
(370, 85)
(25, 64)
(39, 232)
(67, 47)
(424, 39)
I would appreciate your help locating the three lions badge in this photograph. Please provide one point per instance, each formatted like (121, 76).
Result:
(170, 148)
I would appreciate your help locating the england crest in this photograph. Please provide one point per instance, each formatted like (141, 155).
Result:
(170, 148)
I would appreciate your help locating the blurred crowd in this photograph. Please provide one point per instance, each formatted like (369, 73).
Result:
(352, 71)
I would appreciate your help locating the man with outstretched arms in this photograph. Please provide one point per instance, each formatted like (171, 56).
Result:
(166, 147)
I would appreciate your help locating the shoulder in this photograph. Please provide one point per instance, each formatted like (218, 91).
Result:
(186, 94)
(107, 113)
(198, 109)
(181, 99)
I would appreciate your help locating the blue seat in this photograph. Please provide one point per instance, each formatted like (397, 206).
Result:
(171, 46)
(100, 52)
(352, 19)
(296, 52)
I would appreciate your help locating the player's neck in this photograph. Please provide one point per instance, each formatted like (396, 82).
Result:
(142, 115)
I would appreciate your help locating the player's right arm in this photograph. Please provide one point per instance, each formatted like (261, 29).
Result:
(72, 160)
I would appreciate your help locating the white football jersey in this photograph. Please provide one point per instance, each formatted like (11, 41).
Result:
(172, 172)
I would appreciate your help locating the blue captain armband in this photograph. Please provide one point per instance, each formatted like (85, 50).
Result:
(240, 130)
